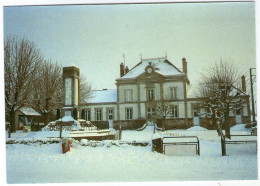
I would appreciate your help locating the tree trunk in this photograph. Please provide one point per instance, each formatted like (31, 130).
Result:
(223, 146)
(47, 116)
(227, 128)
(163, 124)
(214, 120)
(12, 120)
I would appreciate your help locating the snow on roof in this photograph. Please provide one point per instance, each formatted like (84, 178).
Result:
(161, 65)
(29, 111)
(103, 96)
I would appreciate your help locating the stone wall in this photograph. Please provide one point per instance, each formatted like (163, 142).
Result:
(180, 123)
(101, 124)
(129, 124)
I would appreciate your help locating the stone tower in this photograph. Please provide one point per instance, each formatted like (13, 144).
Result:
(70, 90)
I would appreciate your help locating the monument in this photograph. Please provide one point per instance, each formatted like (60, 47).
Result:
(71, 92)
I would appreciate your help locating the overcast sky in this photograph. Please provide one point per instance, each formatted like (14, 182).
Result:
(94, 37)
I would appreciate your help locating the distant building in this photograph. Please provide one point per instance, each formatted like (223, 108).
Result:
(139, 90)
(26, 117)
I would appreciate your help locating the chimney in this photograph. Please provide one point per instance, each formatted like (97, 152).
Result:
(122, 69)
(184, 66)
(126, 69)
(243, 80)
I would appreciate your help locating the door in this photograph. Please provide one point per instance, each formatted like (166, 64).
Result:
(238, 116)
(196, 119)
(150, 115)
(110, 118)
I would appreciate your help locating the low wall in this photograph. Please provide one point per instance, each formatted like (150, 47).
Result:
(129, 124)
(101, 124)
(180, 123)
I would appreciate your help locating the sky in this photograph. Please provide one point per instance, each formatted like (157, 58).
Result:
(95, 37)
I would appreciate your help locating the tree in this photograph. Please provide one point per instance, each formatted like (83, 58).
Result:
(84, 89)
(75, 114)
(83, 114)
(220, 89)
(162, 111)
(58, 114)
(48, 93)
(84, 93)
(21, 62)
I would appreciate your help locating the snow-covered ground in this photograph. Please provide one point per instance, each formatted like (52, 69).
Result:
(45, 163)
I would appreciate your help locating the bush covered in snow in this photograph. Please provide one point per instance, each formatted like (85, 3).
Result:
(33, 140)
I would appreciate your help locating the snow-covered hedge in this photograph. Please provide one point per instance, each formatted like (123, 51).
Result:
(83, 142)
(33, 140)
(109, 143)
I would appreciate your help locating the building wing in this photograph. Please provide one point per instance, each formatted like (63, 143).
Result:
(103, 96)
(29, 111)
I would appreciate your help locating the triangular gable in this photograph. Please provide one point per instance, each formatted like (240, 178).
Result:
(153, 76)
(161, 66)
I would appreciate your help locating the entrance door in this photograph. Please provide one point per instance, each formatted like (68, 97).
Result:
(110, 118)
(150, 115)
(238, 116)
(196, 119)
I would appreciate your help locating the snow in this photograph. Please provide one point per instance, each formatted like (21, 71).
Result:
(29, 111)
(103, 96)
(67, 118)
(45, 163)
(197, 128)
(47, 134)
(160, 64)
(239, 127)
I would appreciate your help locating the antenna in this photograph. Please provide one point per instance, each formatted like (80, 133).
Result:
(166, 54)
(141, 56)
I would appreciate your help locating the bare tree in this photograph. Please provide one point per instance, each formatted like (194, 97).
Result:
(84, 89)
(220, 89)
(21, 61)
(162, 111)
(84, 93)
(47, 94)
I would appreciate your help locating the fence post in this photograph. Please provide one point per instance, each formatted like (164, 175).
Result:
(120, 132)
(60, 130)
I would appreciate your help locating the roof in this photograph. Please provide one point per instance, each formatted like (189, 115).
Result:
(103, 96)
(161, 65)
(29, 111)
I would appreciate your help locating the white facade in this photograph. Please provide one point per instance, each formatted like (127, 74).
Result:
(142, 88)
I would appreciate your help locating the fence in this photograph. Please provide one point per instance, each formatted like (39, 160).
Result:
(181, 145)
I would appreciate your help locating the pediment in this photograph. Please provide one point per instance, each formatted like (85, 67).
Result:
(154, 76)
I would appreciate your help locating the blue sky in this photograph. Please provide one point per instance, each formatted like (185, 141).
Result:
(94, 37)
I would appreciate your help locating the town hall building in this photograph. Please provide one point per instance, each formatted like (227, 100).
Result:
(141, 88)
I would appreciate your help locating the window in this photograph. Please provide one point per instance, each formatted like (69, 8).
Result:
(128, 95)
(110, 114)
(129, 113)
(173, 93)
(238, 112)
(150, 94)
(98, 115)
(88, 117)
(174, 111)
(150, 112)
